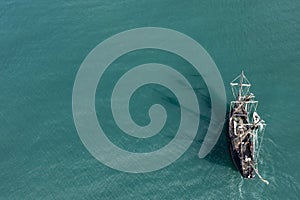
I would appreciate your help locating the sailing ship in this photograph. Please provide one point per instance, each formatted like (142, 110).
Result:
(246, 129)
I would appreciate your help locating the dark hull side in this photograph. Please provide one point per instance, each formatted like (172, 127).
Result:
(236, 158)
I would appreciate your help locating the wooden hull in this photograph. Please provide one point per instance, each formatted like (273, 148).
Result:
(240, 154)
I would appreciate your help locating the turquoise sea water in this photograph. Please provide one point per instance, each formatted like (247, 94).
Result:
(42, 45)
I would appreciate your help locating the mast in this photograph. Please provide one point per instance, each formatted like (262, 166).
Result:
(241, 86)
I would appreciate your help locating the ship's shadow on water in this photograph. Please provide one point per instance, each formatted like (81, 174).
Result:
(220, 154)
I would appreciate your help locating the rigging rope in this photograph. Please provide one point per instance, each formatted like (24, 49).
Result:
(260, 177)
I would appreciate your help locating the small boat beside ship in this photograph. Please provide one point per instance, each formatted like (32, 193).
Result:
(246, 129)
